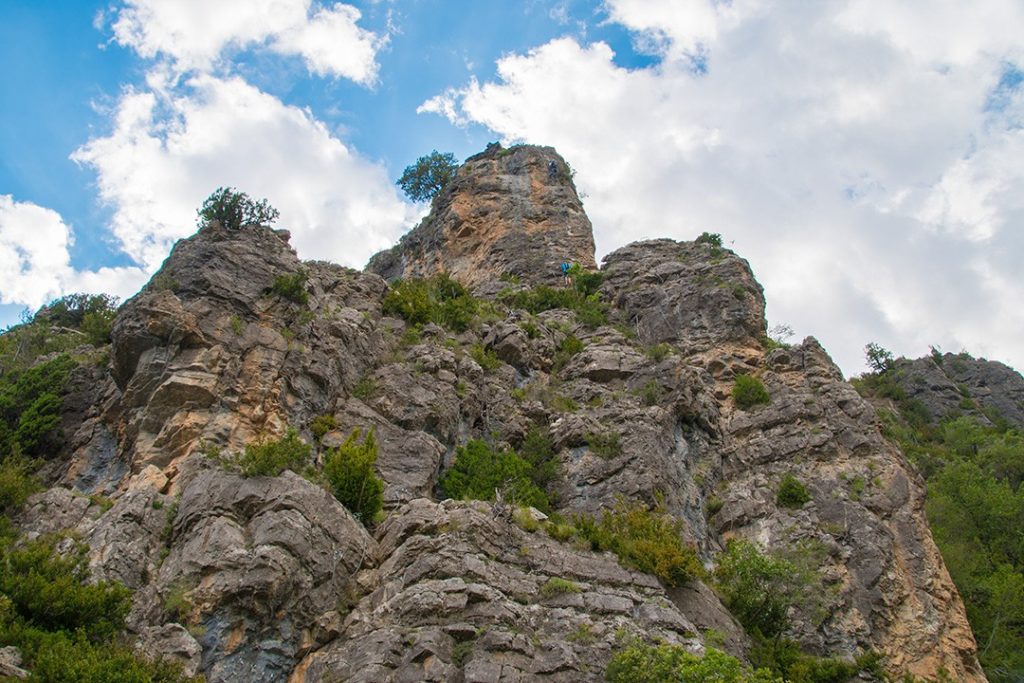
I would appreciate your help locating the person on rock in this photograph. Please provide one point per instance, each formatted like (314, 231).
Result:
(566, 267)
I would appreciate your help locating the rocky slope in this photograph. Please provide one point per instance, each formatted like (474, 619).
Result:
(270, 579)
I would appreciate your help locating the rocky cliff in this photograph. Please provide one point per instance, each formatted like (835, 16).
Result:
(509, 212)
(271, 579)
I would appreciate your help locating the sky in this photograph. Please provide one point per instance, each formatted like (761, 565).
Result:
(865, 156)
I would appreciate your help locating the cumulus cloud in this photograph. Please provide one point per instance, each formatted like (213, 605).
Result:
(35, 263)
(855, 159)
(171, 147)
(194, 34)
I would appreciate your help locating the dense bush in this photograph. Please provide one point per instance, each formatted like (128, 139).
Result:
(322, 424)
(642, 663)
(271, 458)
(784, 658)
(710, 238)
(791, 493)
(567, 348)
(30, 405)
(589, 309)
(748, 392)
(91, 314)
(235, 210)
(757, 588)
(292, 287)
(49, 591)
(426, 177)
(349, 469)
(438, 299)
(538, 450)
(16, 483)
(604, 444)
(480, 471)
(644, 539)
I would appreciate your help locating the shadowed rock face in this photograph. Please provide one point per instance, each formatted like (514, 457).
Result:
(508, 212)
(270, 579)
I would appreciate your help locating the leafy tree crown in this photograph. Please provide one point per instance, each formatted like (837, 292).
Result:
(424, 179)
(234, 210)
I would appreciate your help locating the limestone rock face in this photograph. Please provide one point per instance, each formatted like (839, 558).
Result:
(269, 579)
(686, 293)
(508, 212)
(954, 384)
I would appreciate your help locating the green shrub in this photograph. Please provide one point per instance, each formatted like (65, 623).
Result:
(365, 388)
(66, 658)
(589, 309)
(710, 238)
(235, 210)
(567, 348)
(49, 591)
(322, 424)
(714, 505)
(651, 393)
(484, 357)
(30, 406)
(479, 471)
(604, 444)
(538, 450)
(270, 458)
(791, 493)
(16, 483)
(659, 352)
(349, 470)
(784, 657)
(641, 663)
(292, 287)
(558, 586)
(757, 588)
(439, 299)
(748, 392)
(647, 540)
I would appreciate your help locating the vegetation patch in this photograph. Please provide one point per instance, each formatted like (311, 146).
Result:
(558, 586)
(644, 539)
(235, 210)
(567, 348)
(439, 299)
(481, 472)
(269, 458)
(791, 494)
(604, 444)
(642, 663)
(30, 406)
(748, 391)
(350, 471)
(292, 287)
(322, 424)
(581, 298)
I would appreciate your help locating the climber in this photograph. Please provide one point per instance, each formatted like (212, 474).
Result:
(552, 168)
(566, 267)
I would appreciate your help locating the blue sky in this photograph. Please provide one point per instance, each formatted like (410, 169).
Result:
(866, 159)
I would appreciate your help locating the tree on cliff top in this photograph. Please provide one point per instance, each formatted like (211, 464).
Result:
(234, 210)
(424, 179)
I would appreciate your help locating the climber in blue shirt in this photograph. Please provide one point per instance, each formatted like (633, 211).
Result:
(566, 267)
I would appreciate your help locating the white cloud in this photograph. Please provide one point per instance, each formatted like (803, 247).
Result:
(172, 146)
(851, 158)
(194, 34)
(35, 260)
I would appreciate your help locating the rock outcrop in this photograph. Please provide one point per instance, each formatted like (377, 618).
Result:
(269, 579)
(952, 384)
(509, 212)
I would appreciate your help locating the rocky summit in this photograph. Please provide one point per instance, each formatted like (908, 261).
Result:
(271, 578)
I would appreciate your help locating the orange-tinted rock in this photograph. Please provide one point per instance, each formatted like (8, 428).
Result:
(508, 212)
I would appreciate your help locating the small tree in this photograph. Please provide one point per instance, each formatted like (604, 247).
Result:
(349, 470)
(428, 176)
(234, 210)
(879, 359)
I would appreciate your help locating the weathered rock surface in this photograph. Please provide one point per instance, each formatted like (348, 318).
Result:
(949, 385)
(508, 212)
(268, 579)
